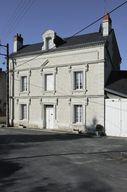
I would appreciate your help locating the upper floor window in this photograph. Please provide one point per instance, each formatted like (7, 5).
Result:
(23, 111)
(78, 80)
(49, 82)
(24, 83)
(78, 113)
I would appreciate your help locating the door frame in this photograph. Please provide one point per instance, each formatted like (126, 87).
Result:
(45, 106)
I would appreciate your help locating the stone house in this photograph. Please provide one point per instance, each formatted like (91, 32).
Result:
(60, 82)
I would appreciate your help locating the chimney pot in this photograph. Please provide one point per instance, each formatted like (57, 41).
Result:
(18, 42)
(106, 24)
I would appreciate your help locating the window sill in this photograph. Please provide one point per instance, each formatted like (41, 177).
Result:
(78, 123)
(23, 93)
(50, 92)
(23, 119)
(79, 91)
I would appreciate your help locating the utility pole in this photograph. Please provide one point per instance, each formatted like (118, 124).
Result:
(7, 81)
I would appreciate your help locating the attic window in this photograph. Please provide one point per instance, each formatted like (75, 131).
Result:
(48, 39)
(48, 43)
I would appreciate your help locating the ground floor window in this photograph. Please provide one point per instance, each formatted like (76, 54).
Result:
(23, 111)
(78, 113)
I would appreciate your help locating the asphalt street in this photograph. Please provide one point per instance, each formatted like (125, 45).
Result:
(40, 161)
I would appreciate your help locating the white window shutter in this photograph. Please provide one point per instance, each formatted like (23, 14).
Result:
(49, 82)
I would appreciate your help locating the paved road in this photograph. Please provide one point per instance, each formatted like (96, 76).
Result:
(36, 161)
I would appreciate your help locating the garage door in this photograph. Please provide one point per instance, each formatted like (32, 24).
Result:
(116, 117)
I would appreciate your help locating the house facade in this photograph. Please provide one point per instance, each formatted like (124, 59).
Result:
(59, 83)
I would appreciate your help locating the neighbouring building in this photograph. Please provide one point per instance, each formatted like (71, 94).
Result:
(2, 93)
(116, 104)
(60, 82)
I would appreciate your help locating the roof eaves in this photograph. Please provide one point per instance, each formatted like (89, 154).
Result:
(13, 55)
(115, 92)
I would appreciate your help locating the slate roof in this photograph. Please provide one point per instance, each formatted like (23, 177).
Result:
(117, 83)
(70, 42)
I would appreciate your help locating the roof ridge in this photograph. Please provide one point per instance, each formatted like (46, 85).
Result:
(82, 35)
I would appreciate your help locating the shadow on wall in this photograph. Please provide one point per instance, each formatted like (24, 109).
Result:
(95, 128)
(92, 127)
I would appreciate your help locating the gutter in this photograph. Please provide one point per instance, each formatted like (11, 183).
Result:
(115, 92)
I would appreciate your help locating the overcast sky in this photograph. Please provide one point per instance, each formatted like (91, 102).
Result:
(32, 17)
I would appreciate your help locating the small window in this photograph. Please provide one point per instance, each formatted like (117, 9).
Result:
(48, 43)
(78, 113)
(24, 83)
(23, 111)
(78, 80)
(49, 82)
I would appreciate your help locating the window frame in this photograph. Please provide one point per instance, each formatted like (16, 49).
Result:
(24, 114)
(78, 80)
(78, 113)
(45, 82)
(48, 43)
(23, 84)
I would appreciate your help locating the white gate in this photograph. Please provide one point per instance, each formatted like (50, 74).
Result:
(116, 117)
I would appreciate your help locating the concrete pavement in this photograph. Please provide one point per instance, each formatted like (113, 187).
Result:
(37, 161)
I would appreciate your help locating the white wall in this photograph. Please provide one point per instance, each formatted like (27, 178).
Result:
(62, 65)
(116, 117)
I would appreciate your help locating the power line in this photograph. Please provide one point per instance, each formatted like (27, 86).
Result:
(31, 84)
(7, 81)
(116, 108)
(20, 11)
(119, 6)
(63, 91)
(19, 19)
(29, 60)
(11, 20)
(81, 29)
(113, 10)
(105, 7)
(13, 15)
(93, 109)
(71, 37)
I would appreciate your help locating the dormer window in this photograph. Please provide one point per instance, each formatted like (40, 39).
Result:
(51, 40)
(48, 39)
(48, 43)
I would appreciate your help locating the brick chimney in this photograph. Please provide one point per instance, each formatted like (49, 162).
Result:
(106, 24)
(18, 42)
